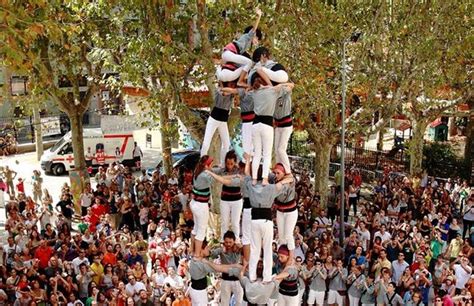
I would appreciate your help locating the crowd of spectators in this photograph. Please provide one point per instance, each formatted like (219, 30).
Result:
(408, 242)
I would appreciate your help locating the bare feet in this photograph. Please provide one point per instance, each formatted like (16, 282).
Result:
(254, 182)
(265, 181)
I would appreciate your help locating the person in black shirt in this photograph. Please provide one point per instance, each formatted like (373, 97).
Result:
(66, 208)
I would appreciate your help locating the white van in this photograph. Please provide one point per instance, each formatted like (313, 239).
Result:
(110, 146)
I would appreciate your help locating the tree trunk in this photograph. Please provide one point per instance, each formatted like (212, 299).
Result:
(38, 133)
(321, 169)
(77, 141)
(79, 176)
(416, 146)
(469, 148)
(165, 136)
(214, 220)
(380, 139)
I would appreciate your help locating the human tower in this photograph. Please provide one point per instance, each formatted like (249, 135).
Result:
(249, 189)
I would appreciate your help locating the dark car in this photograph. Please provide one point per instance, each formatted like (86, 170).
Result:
(187, 162)
(181, 160)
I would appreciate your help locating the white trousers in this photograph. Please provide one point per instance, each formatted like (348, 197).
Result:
(286, 300)
(282, 137)
(227, 75)
(246, 226)
(247, 143)
(211, 126)
(353, 301)
(201, 219)
(245, 62)
(230, 213)
(286, 223)
(198, 297)
(316, 297)
(262, 237)
(229, 287)
(335, 298)
(262, 136)
(280, 76)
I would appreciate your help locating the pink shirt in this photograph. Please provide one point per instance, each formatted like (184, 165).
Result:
(447, 301)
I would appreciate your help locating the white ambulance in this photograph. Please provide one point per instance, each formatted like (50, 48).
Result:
(100, 149)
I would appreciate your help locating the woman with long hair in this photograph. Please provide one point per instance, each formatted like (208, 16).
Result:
(200, 203)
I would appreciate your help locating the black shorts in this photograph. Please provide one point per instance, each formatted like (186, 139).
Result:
(137, 158)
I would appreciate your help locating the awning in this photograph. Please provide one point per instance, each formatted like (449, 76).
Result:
(135, 91)
(436, 123)
(401, 124)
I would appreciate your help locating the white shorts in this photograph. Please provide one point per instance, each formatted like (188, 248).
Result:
(335, 298)
(316, 296)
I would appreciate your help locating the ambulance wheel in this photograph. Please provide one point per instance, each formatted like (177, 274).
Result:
(58, 169)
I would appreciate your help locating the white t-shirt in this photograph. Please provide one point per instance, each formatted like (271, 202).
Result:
(462, 276)
(134, 290)
(76, 262)
(9, 251)
(365, 238)
(385, 236)
(175, 282)
(173, 181)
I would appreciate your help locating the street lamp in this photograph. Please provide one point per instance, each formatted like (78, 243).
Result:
(354, 38)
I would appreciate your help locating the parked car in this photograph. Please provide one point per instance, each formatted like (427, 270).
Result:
(182, 160)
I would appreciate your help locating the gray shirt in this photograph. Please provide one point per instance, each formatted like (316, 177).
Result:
(199, 269)
(261, 196)
(244, 189)
(318, 282)
(368, 296)
(221, 101)
(258, 292)
(265, 99)
(381, 293)
(226, 257)
(337, 280)
(246, 101)
(202, 181)
(397, 269)
(283, 106)
(392, 300)
(355, 289)
(245, 41)
(287, 194)
(224, 172)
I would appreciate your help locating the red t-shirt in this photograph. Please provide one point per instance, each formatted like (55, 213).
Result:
(357, 180)
(109, 258)
(20, 187)
(43, 254)
(163, 262)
